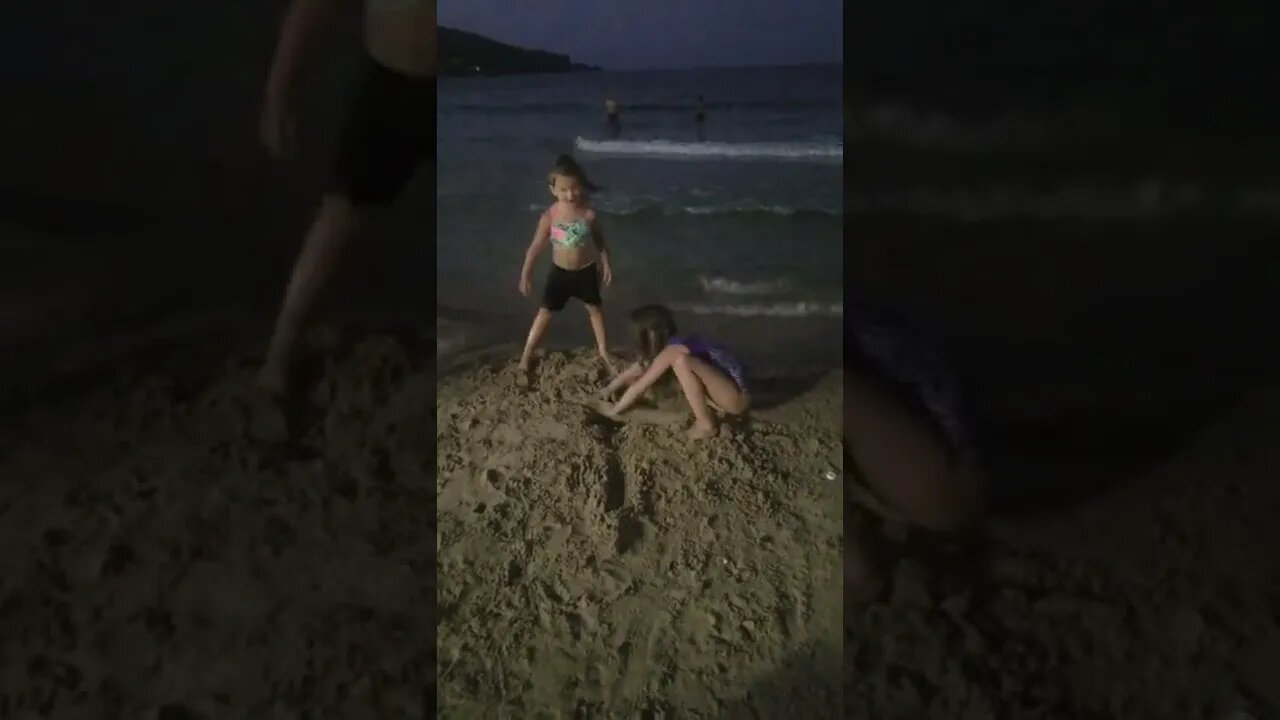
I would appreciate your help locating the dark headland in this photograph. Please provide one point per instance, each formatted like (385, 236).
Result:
(464, 53)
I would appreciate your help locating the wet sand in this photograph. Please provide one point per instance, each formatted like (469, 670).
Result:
(595, 569)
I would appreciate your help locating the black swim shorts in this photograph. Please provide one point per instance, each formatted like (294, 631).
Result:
(583, 283)
(388, 133)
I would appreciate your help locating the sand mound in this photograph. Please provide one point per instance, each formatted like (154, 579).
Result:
(1157, 601)
(159, 554)
(590, 569)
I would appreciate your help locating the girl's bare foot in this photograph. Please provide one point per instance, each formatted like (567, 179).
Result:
(605, 408)
(272, 378)
(522, 375)
(272, 381)
(700, 431)
(608, 364)
(264, 408)
(864, 579)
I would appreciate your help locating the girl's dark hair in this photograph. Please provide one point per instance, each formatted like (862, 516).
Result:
(653, 326)
(566, 166)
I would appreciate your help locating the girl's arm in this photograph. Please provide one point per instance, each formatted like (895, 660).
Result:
(659, 366)
(541, 237)
(303, 24)
(626, 377)
(597, 235)
(602, 250)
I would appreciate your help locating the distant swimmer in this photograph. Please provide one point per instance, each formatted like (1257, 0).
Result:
(611, 118)
(700, 118)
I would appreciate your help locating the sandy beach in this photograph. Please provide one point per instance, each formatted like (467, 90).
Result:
(1128, 412)
(432, 536)
(594, 569)
(1154, 600)
(167, 551)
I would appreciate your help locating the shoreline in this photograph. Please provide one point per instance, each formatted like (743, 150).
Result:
(137, 340)
(767, 345)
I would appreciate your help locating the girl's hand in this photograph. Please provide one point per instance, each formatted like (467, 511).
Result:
(621, 379)
(606, 275)
(605, 408)
(525, 286)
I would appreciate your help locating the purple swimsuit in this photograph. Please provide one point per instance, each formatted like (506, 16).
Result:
(877, 341)
(715, 354)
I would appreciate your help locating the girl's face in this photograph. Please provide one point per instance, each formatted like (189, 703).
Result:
(566, 189)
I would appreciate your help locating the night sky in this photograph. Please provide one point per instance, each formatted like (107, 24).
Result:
(661, 33)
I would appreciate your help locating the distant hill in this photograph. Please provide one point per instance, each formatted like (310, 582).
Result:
(464, 53)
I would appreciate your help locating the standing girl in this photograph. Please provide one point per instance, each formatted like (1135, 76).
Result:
(579, 258)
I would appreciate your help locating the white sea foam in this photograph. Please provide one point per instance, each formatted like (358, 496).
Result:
(633, 205)
(669, 149)
(1149, 198)
(799, 308)
(938, 131)
(727, 286)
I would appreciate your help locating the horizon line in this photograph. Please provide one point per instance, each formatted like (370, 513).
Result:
(589, 68)
(602, 68)
(808, 63)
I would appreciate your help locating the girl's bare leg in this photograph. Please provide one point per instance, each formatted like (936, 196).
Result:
(905, 463)
(596, 317)
(911, 474)
(336, 223)
(536, 331)
(700, 379)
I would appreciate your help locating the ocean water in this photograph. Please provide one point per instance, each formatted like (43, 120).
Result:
(1081, 163)
(1098, 273)
(741, 222)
